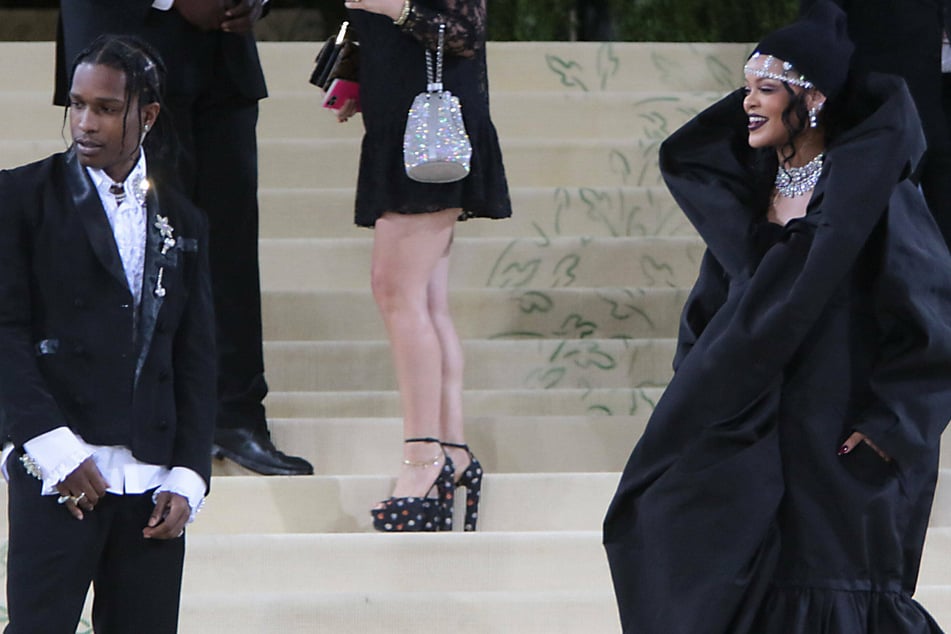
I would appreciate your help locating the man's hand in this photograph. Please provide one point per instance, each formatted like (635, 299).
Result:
(207, 15)
(168, 518)
(81, 490)
(241, 17)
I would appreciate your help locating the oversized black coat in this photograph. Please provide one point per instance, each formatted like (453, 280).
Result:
(71, 354)
(734, 513)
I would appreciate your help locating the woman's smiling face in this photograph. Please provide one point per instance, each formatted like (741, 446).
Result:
(766, 100)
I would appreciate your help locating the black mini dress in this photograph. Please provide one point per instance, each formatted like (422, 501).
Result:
(392, 73)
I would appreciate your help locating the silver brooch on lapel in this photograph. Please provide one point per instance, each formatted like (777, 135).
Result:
(168, 241)
(140, 188)
(161, 223)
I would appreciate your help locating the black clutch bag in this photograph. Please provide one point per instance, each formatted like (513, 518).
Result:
(338, 58)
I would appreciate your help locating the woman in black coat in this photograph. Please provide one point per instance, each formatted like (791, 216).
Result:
(785, 480)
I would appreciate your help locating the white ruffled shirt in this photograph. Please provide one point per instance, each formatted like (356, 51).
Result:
(60, 451)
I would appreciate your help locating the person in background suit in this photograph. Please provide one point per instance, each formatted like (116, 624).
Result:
(107, 386)
(903, 37)
(214, 85)
(594, 20)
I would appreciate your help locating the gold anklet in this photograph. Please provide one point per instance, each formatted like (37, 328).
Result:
(426, 463)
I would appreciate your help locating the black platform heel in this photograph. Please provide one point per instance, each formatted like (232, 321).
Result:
(420, 514)
(471, 479)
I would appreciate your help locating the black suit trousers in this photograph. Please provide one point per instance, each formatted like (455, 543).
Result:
(53, 557)
(219, 172)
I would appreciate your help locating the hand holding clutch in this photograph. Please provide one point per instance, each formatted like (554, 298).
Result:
(336, 69)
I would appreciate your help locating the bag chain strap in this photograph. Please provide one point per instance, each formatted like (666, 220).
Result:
(435, 80)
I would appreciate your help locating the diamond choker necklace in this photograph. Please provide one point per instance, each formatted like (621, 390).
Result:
(793, 182)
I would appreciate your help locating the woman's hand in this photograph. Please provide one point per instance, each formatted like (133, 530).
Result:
(347, 110)
(852, 441)
(390, 8)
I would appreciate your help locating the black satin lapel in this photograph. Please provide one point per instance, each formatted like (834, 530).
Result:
(152, 297)
(89, 206)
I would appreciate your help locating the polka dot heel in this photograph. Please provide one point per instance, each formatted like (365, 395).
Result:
(471, 479)
(420, 514)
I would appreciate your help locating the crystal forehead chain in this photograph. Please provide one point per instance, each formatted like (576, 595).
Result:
(759, 65)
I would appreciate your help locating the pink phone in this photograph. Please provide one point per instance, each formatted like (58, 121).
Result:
(340, 91)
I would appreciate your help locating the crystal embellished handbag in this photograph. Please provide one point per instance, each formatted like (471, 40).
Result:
(436, 148)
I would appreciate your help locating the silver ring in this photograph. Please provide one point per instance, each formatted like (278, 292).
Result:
(75, 499)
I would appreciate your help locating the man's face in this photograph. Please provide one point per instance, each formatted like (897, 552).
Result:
(105, 128)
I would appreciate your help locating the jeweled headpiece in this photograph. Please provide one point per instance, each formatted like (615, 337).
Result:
(817, 46)
(760, 65)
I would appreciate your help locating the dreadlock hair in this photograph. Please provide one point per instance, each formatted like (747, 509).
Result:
(145, 75)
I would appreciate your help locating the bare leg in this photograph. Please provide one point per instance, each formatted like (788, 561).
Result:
(450, 416)
(407, 249)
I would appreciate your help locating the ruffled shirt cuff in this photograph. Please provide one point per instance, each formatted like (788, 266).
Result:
(57, 453)
(162, 5)
(188, 484)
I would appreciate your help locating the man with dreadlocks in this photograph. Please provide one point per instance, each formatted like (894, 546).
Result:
(214, 85)
(107, 386)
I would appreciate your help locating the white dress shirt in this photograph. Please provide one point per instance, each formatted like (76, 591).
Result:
(60, 451)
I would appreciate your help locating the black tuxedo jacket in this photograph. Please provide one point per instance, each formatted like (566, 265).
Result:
(74, 353)
(195, 59)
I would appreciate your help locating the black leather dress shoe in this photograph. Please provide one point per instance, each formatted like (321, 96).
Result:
(257, 453)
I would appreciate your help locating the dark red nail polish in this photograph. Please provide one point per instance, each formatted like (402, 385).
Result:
(843, 450)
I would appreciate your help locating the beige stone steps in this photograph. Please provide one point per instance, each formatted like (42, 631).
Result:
(460, 612)
(535, 501)
(530, 502)
(30, 115)
(592, 612)
(556, 114)
(328, 315)
(504, 444)
(561, 407)
(629, 159)
(564, 66)
(375, 562)
(666, 262)
(528, 66)
(28, 66)
(20, 152)
(498, 402)
(297, 114)
(511, 502)
(537, 212)
(543, 364)
(937, 554)
(937, 600)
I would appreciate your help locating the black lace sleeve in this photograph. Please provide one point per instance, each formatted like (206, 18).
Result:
(465, 26)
